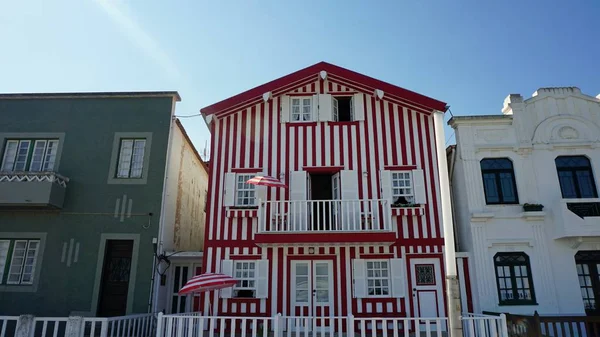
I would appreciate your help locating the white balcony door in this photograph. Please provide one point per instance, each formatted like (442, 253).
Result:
(311, 288)
(427, 292)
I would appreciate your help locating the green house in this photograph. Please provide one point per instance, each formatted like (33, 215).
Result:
(102, 200)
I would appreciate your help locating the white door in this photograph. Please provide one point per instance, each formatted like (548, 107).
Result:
(312, 293)
(336, 196)
(427, 290)
(180, 274)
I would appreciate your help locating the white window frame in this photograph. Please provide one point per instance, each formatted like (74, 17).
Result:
(401, 187)
(336, 111)
(130, 164)
(16, 268)
(240, 180)
(301, 115)
(244, 271)
(372, 275)
(44, 161)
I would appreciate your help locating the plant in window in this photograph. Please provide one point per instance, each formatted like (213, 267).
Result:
(532, 207)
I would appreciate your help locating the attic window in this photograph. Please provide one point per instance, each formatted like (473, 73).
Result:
(343, 109)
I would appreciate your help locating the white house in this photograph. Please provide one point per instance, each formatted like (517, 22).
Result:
(542, 150)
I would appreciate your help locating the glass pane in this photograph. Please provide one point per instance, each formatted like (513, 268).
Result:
(490, 187)
(50, 155)
(38, 154)
(9, 155)
(321, 269)
(322, 282)
(508, 192)
(22, 154)
(567, 184)
(302, 282)
(587, 188)
(301, 269)
(125, 158)
(322, 295)
(302, 296)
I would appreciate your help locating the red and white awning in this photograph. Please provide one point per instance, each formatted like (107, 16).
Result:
(207, 282)
(266, 181)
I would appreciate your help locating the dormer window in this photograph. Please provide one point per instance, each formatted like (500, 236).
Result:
(343, 109)
(301, 109)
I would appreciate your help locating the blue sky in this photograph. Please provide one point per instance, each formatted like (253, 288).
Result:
(468, 53)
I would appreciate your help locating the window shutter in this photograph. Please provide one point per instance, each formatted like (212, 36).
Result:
(359, 107)
(349, 184)
(360, 278)
(325, 106)
(419, 187)
(262, 278)
(227, 269)
(315, 108)
(4, 244)
(385, 177)
(298, 185)
(350, 217)
(229, 197)
(285, 108)
(397, 268)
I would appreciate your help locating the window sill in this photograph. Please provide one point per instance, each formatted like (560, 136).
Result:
(244, 299)
(516, 304)
(302, 123)
(344, 123)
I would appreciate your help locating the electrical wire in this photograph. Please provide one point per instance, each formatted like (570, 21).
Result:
(188, 116)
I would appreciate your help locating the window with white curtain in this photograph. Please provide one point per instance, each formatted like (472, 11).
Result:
(131, 158)
(20, 256)
(34, 155)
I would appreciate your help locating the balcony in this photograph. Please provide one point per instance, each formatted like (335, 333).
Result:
(32, 189)
(324, 221)
(577, 218)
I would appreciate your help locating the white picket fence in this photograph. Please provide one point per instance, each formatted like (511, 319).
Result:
(142, 325)
(196, 325)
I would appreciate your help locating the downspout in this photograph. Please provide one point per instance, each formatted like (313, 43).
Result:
(452, 286)
(451, 176)
(161, 226)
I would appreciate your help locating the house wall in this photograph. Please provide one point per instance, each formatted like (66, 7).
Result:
(532, 133)
(392, 134)
(67, 277)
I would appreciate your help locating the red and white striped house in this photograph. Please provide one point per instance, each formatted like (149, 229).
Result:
(358, 230)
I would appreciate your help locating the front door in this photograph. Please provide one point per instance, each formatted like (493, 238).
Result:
(588, 272)
(427, 292)
(115, 278)
(180, 274)
(312, 293)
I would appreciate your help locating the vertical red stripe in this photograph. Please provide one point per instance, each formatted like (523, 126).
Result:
(353, 255)
(252, 122)
(314, 149)
(342, 142)
(329, 86)
(332, 146)
(243, 136)
(305, 141)
(270, 145)
(344, 274)
(312, 87)
(261, 137)
(367, 148)
(393, 135)
(401, 116)
(321, 86)
(281, 285)
(274, 279)
(296, 130)
(322, 147)
(412, 138)
(427, 179)
(376, 156)
(339, 87)
(467, 277)
(383, 134)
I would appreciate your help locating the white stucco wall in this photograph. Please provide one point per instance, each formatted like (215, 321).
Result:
(532, 133)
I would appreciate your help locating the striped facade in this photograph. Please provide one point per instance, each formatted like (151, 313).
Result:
(395, 133)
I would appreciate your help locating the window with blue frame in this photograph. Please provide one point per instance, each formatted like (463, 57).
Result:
(499, 182)
(576, 177)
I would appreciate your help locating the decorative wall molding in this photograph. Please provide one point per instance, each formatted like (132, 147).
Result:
(51, 177)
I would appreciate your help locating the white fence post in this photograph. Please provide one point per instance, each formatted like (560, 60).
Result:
(503, 326)
(350, 326)
(276, 326)
(159, 325)
(25, 326)
(74, 326)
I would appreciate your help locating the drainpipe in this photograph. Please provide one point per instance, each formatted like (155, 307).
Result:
(452, 285)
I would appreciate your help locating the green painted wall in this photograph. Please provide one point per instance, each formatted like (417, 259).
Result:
(89, 125)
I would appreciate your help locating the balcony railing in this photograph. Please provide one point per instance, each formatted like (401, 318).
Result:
(309, 216)
(32, 189)
(577, 217)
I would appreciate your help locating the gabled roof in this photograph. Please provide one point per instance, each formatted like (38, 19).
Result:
(255, 94)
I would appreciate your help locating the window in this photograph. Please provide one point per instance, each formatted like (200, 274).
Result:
(513, 278)
(343, 109)
(378, 281)
(244, 273)
(425, 274)
(402, 191)
(301, 109)
(499, 181)
(244, 191)
(20, 256)
(35, 155)
(576, 177)
(131, 158)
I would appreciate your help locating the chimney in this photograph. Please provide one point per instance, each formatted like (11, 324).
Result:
(512, 103)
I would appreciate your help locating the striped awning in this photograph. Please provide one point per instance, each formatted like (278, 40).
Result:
(207, 282)
(266, 181)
